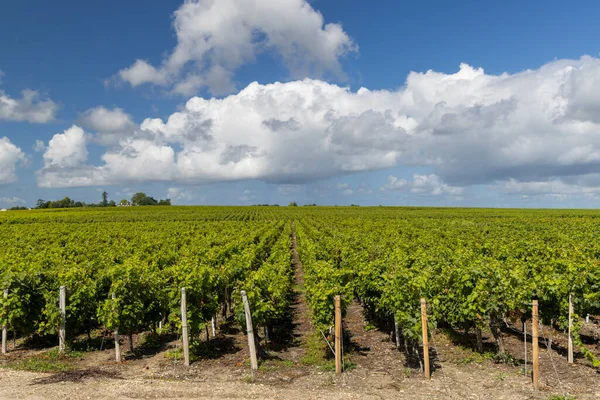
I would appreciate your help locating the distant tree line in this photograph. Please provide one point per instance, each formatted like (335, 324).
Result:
(138, 199)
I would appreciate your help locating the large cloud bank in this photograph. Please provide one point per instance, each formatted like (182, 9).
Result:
(512, 130)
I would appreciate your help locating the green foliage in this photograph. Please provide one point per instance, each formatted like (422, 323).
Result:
(140, 298)
(474, 267)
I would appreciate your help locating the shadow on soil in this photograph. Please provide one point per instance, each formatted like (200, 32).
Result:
(77, 376)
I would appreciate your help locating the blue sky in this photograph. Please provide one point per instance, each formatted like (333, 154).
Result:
(516, 125)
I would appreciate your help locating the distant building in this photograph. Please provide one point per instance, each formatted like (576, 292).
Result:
(4, 209)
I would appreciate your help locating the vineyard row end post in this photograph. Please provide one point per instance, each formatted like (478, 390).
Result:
(570, 348)
(535, 357)
(116, 335)
(4, 328)
(184, 329)
(62, 303)
(250, 331)
(425, 338)
(338, 333)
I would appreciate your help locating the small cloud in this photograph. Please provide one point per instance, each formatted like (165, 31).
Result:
(39, 146)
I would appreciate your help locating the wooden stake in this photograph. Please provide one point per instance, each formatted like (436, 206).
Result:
(525, 344)
(479, 339)
(4, 328)
(425, 338)
(116, 334)
(250, 331)
(570, 349)
(62, 304)
(397, 333)
(536, 351)
(214, 327)
(184, 329)
(338, 334)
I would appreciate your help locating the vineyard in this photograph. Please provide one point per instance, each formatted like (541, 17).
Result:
(479, 270)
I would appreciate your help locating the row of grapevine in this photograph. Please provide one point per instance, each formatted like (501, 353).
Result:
(474, 272)
(143, 264)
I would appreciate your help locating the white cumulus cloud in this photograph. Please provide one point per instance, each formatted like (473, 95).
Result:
(101, 119)
(67, 149)
(30, 107)
(110, 125)
(215, 38)
(10, 157)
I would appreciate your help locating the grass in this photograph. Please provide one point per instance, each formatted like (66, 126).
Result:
(35, 364)
(177, 354)
(561, 397)
(475, 357)
(50, 361)
(317, 355)
(315, 350)
(370, 326)
(329, 366)
(55, 355)
(271, 365)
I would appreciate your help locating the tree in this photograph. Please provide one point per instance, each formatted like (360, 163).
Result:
(41, 204)
(292, 204)
(148, 201)
(141, 199)
(104, 202)
(124, 202)
(138, 198)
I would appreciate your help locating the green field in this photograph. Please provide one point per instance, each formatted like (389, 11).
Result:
(475, 267)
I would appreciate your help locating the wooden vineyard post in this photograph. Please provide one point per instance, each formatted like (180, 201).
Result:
(397, 333)
(4, 328)
(116, 334)
(184, 329)
(570, 350)
(425, 338)
(525, 344)
(62, 304)
(214, 327)
(338, 334)
(536, 351)
(250, 331)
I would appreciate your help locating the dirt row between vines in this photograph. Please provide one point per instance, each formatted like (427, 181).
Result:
(376, 368)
